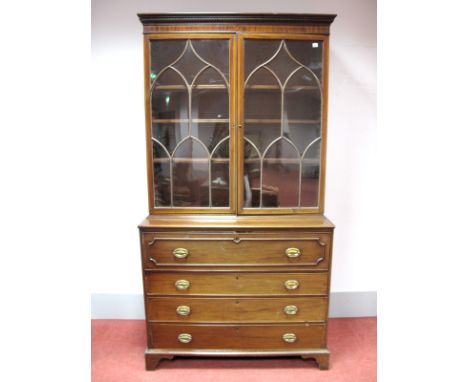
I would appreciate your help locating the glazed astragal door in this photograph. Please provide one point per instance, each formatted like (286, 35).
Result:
(190, 87)
(281, 109)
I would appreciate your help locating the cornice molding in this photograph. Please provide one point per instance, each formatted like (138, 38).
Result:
(217, 18)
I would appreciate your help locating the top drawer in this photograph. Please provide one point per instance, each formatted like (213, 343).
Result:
(247, 249)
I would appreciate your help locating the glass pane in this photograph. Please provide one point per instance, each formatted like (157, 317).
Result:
(301, 134)
(282, 117)
(280, 175)
(251, 175)
(210, 133)
(262, 134)
(280, 183)
(189, 64)
(190, 183)
(262, 111)
(190, 122)
(210, 97)
(311, 175)
(257, 52)
(220, 174)
(302, 97)
(169, 134)
(164, 53)
(169, 98)
(215, 52)
(190, 148)
(282, 64)
(309, 54)
(262, 97)
(161, 170)
(219, 183)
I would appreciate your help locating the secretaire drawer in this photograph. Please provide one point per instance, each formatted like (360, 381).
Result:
(235, 283)
(252, 249)
(242, 309)
(235, 337)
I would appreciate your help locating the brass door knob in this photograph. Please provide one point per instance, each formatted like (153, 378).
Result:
(290, 309)
(182, 284)
(289, 337)
(293, 252)
(185, 338)
(180, 253)
(291, 284)
(183, 310)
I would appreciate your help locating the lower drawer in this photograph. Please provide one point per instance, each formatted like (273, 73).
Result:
(237, 337)
(236, 283)
(219, 309)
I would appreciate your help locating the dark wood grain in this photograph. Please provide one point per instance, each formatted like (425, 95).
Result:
(229, 248)
(213, 336)
(237, 284)
(237, 18)
(237, 223)
(236, 259)
(237, 309)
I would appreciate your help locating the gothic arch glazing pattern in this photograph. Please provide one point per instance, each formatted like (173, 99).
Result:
(189, 97)
(282, 118)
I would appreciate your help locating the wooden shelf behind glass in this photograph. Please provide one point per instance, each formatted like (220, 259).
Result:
(277, 120)
(184, 87)
(191, 160)
(194, 120)
(313, 161)
(276, 87)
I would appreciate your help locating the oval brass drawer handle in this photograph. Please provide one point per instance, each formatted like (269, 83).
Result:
(289, 337)
(293, 252)
(290, 309)
(180, 253)
(183, 310)
(182, 284)
(185, 338)
(291, 284)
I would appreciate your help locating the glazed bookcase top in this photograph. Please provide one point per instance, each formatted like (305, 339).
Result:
(236, 112)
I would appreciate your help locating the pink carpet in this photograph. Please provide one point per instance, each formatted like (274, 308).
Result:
(118, 346)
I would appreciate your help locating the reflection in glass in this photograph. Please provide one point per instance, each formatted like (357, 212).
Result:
(162, 175)
(311, 175)
(190, 122)
(219, 173)
(302, 97)
(169, 134)
(308, 53)
(280, 183)
(210, 133)
(210, 97)
(251, 174)
(220, 184)
(262, 134)
(216, 52)
(280, 175)
(282, 117)
(189, 178)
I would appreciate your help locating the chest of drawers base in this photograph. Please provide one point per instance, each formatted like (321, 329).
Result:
(154, 356)
(236, 291)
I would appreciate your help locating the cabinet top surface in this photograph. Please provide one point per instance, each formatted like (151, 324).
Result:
(236, 222)
(270, 18)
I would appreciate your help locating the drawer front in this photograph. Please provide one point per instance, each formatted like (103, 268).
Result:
(237, 337)
(278, 249)
(186, 309)
(236, 283)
